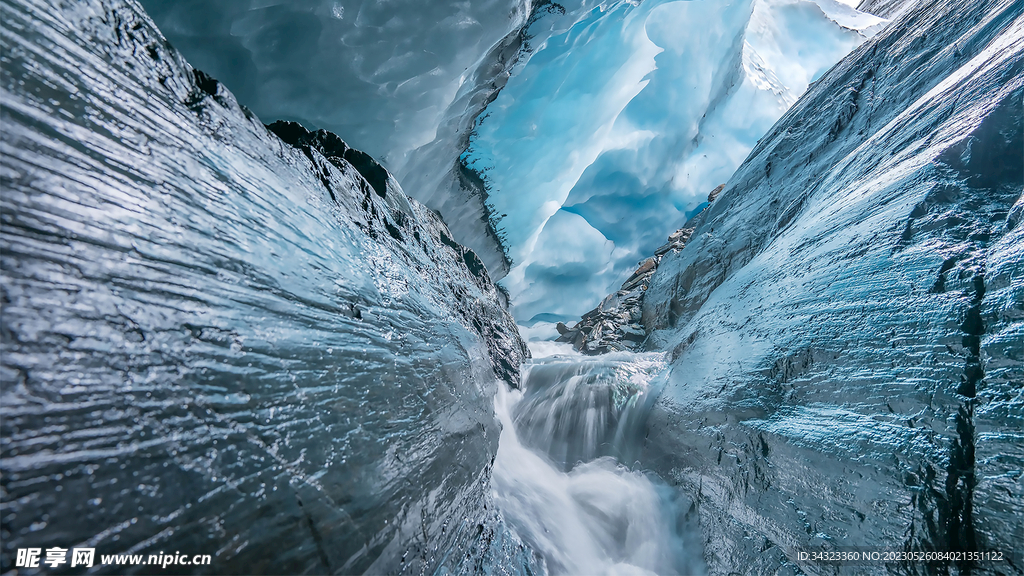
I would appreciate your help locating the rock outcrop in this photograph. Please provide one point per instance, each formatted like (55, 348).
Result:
(615, 325)
(216, 342)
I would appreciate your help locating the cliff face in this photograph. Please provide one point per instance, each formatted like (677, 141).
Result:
(216, 342)
(846, 323)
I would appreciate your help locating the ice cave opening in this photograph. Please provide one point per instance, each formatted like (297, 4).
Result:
(583, 133)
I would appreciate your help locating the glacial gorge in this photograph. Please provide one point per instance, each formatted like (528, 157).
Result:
(513, 287)
(221, 342)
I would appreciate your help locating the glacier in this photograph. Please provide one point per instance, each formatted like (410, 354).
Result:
(845, 324)
(559, 476)
(218, 342)
(226, 328)
(611, 108)
(401, 80)
(384, 74)
(844, 321)
(626, 124)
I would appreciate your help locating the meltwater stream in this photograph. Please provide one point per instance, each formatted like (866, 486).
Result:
(561, 474)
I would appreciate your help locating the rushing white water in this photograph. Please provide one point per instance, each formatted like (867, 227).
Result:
(558, 476)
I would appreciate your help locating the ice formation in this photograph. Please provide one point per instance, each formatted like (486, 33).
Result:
(216, 341)
(222, 336)
(615, 106)
(613, 132)
(846, 321)
(382, 73)
(402, 80)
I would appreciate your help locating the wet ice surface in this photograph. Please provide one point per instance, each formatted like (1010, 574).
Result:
(559, 475)
(216, 343)
(846, 322)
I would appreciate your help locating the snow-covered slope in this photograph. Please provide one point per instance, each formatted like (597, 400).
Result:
(215, 342)
(846, 323)
(611, 133)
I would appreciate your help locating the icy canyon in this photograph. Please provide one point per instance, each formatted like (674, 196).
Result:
(614, 106)
(512, 286)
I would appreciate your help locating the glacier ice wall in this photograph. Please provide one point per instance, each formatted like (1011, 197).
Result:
(406, 82)
(609, 134)
(218, 343)
(381, 73)
(846, 323)
(401, 80)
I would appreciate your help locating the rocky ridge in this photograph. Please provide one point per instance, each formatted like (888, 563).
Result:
(616, 323)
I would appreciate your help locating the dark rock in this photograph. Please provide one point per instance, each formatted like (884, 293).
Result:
(324, 142)
(613, 325)
(374, 173)
(664, 249)
(334, 148)
(473, 263)
(633, 334)
(714, 193)
(205, 82)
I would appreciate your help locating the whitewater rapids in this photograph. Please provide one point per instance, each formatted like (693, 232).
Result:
(559, 475)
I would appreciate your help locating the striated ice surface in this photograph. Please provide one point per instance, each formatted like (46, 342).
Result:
(609, 134)
(227, 339)
(218, 343)
(845, 325)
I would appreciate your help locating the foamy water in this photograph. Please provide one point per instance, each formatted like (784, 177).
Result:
(557, 475)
